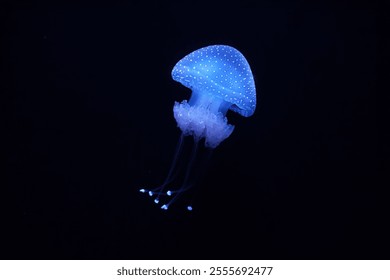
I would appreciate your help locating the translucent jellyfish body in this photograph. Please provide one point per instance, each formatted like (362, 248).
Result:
(220, 79)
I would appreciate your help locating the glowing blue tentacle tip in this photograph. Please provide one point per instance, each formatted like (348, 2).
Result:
(150, 193)
(156, 201)
(164, 207)
(189, 208)
(169, 193)
(142, 190)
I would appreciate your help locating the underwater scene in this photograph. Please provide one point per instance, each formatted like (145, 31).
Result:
(189, 130)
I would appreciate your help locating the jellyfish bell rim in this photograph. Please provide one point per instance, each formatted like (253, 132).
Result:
(182, 70)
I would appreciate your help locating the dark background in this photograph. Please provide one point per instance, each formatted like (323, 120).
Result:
(87, 99)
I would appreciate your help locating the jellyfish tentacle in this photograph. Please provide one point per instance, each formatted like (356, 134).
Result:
(172, 173)
(179, 148)
(205, 163)
(185, 185)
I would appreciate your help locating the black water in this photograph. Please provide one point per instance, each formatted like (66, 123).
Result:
(87, 96)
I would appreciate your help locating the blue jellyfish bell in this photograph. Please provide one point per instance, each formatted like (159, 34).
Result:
(220, 79)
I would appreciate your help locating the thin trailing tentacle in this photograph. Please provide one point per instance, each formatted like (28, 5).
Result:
(184, 186)
(179, 147)
(204, 166)
(171, 173)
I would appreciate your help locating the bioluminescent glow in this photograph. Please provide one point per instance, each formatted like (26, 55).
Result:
(220, 79)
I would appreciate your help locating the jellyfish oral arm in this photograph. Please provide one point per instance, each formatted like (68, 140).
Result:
(203, 116)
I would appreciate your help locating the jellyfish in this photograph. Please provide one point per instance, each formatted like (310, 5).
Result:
(220, 79)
